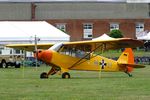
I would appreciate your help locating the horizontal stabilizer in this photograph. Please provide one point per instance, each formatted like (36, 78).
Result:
(132, 65)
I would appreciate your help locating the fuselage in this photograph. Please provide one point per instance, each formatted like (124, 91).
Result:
(72, 62)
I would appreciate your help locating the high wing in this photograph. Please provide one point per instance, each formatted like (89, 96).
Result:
(105, 44)
(29, 47)
(86, 45)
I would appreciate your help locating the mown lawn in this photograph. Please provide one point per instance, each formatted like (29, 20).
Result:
(24, 84)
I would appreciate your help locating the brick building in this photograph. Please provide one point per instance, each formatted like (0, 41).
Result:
(83, 20)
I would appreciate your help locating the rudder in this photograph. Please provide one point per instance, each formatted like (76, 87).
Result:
(127, 57)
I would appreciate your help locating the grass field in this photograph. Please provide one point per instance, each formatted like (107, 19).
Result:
(24, 84)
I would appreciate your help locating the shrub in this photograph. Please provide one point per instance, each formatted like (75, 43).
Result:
(116, 34)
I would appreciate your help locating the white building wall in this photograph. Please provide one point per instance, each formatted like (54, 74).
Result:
(15, 11)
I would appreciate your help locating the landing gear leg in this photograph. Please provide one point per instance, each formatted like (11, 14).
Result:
(52, 71)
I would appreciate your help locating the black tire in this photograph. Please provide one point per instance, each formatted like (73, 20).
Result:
(4, 64)
(65, 75)
(43, 75)
(17, 65)
(130, 75)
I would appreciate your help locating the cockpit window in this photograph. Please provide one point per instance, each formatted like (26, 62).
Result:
(81, 51)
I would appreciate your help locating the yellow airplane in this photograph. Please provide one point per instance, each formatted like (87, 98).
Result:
(80, 55)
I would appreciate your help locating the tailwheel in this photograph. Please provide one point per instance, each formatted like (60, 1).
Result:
(43, 75)
(129, 74)
(65, 75)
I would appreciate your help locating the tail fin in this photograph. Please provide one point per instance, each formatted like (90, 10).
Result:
(126, 61)
(127, 58)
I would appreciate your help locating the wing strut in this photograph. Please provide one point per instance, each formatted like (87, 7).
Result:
(87, 55)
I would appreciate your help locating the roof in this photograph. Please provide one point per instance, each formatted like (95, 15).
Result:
(27, 30)
(106, 1)
(62, 0)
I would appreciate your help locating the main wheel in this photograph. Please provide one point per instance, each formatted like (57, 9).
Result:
(66, 75)
(4, 64)
(43, 75)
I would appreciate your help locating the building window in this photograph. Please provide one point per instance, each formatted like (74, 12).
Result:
(114, 26)
(61, 26)
(87, 30)
(139, 27)
(17, 51)
(10, 51)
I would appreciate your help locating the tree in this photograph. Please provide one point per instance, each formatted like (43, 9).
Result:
(116, 34)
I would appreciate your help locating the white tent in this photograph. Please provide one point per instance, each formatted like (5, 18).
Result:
(103, 37)
(145, 37)
(25, 31)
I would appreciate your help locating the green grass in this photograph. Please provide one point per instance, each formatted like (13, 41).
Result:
(24, 84)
